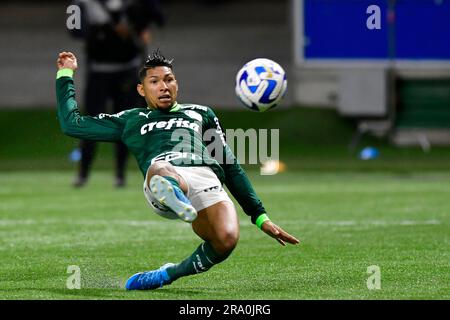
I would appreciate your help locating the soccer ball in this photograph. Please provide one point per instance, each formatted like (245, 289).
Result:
(261, 84)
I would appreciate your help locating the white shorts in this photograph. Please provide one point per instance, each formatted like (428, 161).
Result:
(204, 190)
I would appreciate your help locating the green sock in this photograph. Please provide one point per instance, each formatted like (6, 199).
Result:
(203, 258)
(173, 181)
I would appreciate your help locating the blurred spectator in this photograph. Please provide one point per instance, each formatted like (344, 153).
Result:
(116, 35)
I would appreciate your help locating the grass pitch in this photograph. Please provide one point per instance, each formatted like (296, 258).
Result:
(346, 222)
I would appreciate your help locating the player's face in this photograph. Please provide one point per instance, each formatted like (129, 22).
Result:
(159, 88)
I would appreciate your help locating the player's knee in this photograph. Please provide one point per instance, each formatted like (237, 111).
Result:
(160, 168)
(226, 242)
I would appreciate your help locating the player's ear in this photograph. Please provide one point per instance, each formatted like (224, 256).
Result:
(140, 90)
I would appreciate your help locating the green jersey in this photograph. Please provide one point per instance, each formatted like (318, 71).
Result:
(182, 136)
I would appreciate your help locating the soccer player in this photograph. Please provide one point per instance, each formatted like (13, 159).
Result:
(178, 184)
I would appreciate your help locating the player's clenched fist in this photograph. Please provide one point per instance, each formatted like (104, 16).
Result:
(67, 60)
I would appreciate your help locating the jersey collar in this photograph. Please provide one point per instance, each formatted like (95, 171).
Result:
(174, 108)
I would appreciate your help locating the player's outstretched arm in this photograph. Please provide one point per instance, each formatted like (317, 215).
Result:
(278, 234)
(103, 127)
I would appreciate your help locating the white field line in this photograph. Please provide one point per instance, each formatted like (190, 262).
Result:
(243, 222)
(357, 223)
(379, 223)
(93, 222)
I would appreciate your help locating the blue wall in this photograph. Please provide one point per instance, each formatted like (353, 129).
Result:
(336, 29)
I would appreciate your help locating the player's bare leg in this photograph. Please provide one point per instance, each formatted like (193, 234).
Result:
(218, 225)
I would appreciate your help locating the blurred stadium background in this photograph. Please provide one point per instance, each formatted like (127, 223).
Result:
(348, 89)
(336, 105)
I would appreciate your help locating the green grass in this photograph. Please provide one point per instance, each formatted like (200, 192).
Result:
(346, 222)
(349, 214)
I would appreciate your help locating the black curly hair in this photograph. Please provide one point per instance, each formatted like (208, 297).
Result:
(155, 59)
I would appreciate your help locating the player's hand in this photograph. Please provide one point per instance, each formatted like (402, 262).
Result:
(67, 60)
(278, 234)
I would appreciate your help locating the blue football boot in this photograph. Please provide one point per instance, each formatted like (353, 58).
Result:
(150, 279)
(173, 198)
